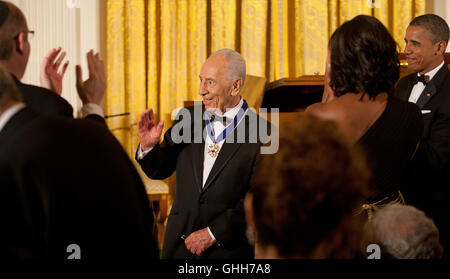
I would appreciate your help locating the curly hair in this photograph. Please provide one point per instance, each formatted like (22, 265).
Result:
(364, 58)
(305, 196)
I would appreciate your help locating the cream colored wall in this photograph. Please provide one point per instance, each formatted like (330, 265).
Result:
(75, 25)
(439, 7)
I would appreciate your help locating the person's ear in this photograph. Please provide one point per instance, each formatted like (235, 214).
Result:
(236, 86)
(20, 43)
(441, 47)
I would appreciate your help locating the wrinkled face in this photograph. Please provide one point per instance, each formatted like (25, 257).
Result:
(216, 90)
(422, 54)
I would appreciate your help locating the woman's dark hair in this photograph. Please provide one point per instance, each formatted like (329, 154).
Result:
(364, 58)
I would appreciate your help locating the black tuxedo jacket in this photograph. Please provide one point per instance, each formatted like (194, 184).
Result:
(43, 100)
(219, 204)
(427, 186)
(68, 181)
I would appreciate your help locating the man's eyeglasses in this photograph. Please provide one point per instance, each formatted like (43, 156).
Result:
(30, 34)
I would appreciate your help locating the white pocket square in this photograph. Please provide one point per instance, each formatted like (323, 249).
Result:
(426, 111)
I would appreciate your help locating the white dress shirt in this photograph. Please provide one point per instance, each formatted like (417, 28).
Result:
(419, 87)
(218, 127)
(91, 108)
(7, 114)
(208, 161)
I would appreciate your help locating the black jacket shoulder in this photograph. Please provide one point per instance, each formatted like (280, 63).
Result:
(44, 100)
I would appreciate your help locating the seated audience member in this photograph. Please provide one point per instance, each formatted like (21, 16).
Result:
(65, 181)
(362, 68)
(14, 53)
(305, 198)
(404, 232)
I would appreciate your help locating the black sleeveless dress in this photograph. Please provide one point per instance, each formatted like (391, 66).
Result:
(389, 145)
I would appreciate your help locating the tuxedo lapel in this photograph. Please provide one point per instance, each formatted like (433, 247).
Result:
(198, 153)
(432, 86)
(197, 163)
(404, 95)
(426, 95)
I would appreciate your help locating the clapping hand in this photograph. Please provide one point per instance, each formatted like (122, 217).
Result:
(51, 76)
(93, 89)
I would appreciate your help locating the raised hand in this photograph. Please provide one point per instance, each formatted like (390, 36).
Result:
(51, 76)
(93, 89)
(148, 131)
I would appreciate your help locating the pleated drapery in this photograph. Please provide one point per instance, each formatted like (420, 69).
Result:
(155, 48)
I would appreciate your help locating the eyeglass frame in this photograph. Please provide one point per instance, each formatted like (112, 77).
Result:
(32, 32)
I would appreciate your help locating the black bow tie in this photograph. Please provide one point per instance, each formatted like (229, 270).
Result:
(421, 78)
(223, 119)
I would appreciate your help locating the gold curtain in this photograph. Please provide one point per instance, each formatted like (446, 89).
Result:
(155, 48)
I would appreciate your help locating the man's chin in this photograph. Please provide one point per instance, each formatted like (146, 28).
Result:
(414, 67)
(210, 105)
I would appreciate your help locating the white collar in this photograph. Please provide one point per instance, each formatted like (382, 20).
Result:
(7, 114)
(232, 112)
(433, 72)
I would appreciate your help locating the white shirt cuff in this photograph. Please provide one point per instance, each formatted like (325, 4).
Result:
(141, 154)
(91, 108)
(210, 233)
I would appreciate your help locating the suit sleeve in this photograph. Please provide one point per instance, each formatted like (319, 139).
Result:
(161, 161)
(435, 149)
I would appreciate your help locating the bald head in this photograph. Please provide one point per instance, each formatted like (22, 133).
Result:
(12, 22)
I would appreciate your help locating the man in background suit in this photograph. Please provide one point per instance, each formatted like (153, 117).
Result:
(207, 216)
(14, 54)
(426, 187)
(67, 181)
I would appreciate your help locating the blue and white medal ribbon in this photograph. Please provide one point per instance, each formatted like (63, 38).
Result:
(213, 149)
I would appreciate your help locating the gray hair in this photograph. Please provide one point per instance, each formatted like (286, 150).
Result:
(236, 64)
(435, 24)
(8, 90)
(405, 232)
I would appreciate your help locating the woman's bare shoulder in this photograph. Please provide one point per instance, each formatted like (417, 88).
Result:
(328, 110)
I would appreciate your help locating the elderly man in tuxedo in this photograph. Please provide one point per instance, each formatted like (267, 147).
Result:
(426, 186)
(213, 174)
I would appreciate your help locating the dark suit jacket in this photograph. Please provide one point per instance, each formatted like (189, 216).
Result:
(219, 204)
(65, 181)
(43, 100)
(427, 186)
